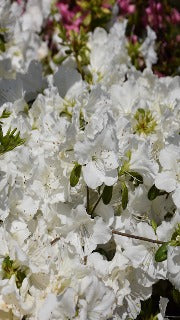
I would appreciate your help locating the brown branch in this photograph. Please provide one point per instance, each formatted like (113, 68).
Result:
(87, 194)
(97, 202)
(124, 234)
(55, 240)
(137, 237)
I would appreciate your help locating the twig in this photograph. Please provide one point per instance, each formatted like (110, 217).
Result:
(97, 202)
(54, 241)
(137, 237)
(132, 236)
(87, 204)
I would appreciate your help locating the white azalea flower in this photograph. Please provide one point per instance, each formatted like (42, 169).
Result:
(169, 178)
(108, 51)
(59, 307)
(173, 267)
(147, 48)
(83, 232)
(143, 164)
(96, 301)
(59, 256)
(162, 306)
(19, 231)
(68, 82)
(98, 155)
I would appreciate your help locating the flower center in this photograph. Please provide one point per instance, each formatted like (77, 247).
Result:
(145, 122)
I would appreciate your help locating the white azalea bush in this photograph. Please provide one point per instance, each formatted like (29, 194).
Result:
(20, 27)
(89, 181)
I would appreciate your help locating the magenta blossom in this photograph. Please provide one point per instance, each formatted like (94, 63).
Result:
(154, 15)
(133, 38)
(175, 16)
(126, 7)
(70, 21)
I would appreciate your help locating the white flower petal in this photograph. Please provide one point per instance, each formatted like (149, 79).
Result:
(165, 181)
(176, 196)
(92, 176)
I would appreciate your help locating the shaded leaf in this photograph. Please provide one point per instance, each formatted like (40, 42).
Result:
(154, 192)
(75, 175)
(107, 194)
(124, 195)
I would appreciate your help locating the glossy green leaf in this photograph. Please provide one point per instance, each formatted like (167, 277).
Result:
(154, 225)
(107, 194)
(161, 253)
(154, 192)
(124, 195)
(75, 175)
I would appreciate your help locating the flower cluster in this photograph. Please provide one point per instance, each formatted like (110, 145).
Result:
(164, 18)
(89, 171)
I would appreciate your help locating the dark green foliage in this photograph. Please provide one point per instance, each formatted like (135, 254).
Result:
(154, 192)
(107, 194)
(2, 43)
(5, 114)
(75, 175)
(10, 268)
(150, 307)
(124, 195)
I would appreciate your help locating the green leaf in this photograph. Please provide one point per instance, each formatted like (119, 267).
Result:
(141, 111)
(154, 225)
(7, 264)
(87, 20)
(176, 233)
(10, 268)
(161, 253)
(107, 194)
(149, 309)
(153, 193)
(2, 43)
(68, 51)
(9, 141)
(175, 239)
(176, 296)
(5, 114)
(59, 60)
(75, 175)
(124, 195)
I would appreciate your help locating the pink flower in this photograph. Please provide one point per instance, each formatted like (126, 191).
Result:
(155, 15)
(159, 74)
(126, 7)
(134, 38)
(106, 5)
(68, 14)
(178, 38)
(175, 16)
